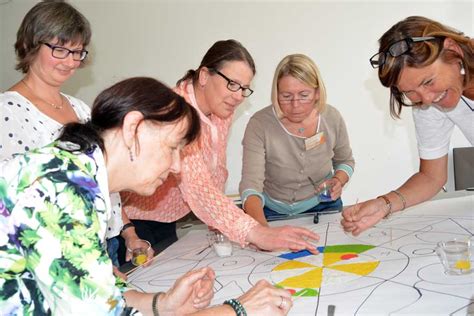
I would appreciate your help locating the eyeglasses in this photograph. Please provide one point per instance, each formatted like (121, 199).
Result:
(397, 49)
(62, 52)
(303, 100)
(234, 86)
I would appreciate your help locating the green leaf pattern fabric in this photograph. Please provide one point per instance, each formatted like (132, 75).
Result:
(54, 207)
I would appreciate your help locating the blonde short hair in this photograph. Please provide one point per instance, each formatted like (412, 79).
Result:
(304, 69)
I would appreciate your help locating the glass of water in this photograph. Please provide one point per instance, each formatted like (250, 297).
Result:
(324, 192)
(455, 255)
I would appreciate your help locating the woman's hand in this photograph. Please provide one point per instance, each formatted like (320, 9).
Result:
(361, 216)
(282, 238)
(119, 273)
(191, 292)
(130, 236)
(265, 299)
(336, 188)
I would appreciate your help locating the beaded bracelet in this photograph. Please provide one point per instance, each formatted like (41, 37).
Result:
(404, 202)
(236, 306)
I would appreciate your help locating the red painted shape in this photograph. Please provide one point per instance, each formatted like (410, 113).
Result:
(348, 256)
(292, 291)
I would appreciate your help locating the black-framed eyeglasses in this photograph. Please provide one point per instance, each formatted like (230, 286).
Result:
(397, 49)
(60, 52)
(234, 86)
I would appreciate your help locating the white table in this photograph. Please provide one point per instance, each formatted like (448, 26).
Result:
(390, 269)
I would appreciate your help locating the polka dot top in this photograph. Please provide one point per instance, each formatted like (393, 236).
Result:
(23, 127)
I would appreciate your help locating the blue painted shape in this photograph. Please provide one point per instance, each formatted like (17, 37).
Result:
(299, 254)
(294, 255)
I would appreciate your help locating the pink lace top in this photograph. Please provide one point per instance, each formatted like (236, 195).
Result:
(200, 185)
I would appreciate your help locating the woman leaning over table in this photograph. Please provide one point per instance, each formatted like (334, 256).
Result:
(296, 142)
(54, 205)
(428, 67)
(51, 45)
(215, 89)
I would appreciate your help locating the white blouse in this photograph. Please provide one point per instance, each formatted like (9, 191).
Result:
(24, 127)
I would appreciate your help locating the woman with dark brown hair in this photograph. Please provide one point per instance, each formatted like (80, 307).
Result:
(215, 89)
(51, 45)
(55, 204)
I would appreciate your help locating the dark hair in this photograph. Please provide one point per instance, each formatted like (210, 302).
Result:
(220, 53)
(155, 101)
(46, 21)
(421, 54)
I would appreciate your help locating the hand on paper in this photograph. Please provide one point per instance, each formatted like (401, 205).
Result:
(204, 290)
(191, 292)
(282, 238)
(361, 216)
(265, 299)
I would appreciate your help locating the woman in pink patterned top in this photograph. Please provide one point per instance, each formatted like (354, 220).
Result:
(215, 89)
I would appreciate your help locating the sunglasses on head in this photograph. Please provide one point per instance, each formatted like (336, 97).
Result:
(397, 49)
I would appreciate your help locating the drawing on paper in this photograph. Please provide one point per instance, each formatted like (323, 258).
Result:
(393, 268)
(303, 273)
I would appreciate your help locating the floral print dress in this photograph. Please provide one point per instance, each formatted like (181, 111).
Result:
(54, 207)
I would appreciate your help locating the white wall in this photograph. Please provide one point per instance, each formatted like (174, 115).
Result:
(165, 38)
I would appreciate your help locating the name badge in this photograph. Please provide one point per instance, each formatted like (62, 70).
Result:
(314, 141)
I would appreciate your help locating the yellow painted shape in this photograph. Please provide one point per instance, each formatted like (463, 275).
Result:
(361, 268)
(288, 265)
(310, 279)
(331, 257)
(463, 265)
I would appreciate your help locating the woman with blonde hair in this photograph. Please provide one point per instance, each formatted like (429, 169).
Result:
(429, 67)
(294, 146)
(215, 89)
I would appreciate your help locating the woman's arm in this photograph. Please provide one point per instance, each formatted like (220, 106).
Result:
(261, 299)
(420, 187)
(253, 206)
(343, 160)
(208, 202)
(253, 170)
(218, 211)
(191, 292)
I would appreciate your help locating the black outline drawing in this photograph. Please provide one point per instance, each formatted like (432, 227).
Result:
(409, 280)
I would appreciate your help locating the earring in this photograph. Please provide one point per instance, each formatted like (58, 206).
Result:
(130, 153)
(462, 71)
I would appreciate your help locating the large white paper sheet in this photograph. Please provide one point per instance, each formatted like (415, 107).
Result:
(390, 269)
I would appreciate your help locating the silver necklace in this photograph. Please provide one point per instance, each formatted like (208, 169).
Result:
(301, 130)
(56, 107)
